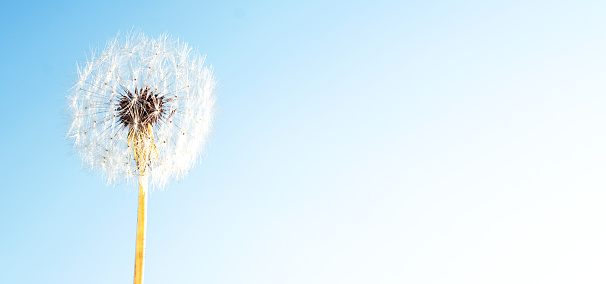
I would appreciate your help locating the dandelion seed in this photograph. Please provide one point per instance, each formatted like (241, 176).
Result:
(153, 101)
(129, 95)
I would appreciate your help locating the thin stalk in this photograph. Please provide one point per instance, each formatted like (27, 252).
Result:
(141, 225)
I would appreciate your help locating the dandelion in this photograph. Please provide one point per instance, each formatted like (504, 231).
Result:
(142, 110)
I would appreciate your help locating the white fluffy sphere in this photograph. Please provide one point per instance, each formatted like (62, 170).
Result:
(133, 65)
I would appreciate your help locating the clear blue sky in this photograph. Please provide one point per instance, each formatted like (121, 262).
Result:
(355, 142)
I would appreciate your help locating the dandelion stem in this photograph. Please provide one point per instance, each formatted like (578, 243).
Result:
(141, 225)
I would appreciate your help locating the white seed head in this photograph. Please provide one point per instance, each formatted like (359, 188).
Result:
(153, 94)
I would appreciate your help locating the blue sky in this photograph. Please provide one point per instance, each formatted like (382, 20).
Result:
(355, 142)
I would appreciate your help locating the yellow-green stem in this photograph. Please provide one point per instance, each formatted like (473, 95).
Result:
(141, 224)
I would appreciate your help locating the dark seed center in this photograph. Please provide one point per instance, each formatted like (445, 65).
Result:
(140, 108)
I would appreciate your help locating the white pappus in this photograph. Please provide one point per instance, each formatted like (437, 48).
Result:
(142, 107)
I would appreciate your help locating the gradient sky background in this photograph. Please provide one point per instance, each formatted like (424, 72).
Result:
(355, 142)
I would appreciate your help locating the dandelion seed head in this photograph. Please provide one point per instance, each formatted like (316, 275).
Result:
(135, 93)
